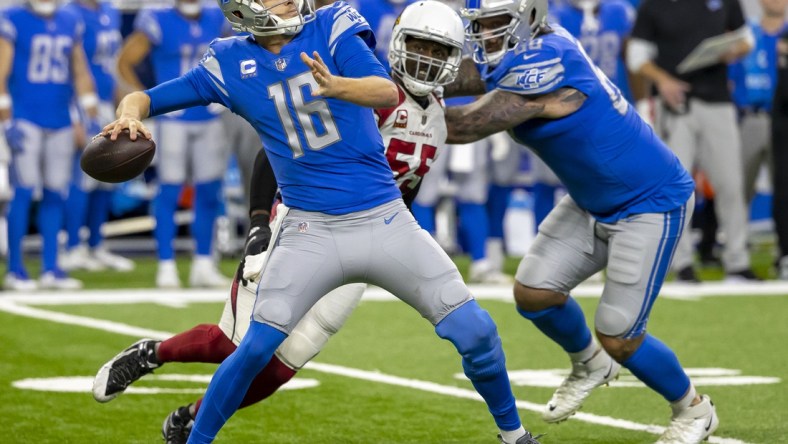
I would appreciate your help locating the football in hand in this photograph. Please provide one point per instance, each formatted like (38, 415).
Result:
(117, 160)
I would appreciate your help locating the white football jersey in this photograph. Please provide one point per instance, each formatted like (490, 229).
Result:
(413, 136)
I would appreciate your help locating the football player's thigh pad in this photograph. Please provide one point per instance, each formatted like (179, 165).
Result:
(321, 322)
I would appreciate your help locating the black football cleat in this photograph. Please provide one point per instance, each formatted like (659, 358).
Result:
(121, 371)
(177, 426)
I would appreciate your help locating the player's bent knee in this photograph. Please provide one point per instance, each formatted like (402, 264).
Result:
(474, 334)
(275, 312)
(530, 299)
(619, 348)
(612, 321)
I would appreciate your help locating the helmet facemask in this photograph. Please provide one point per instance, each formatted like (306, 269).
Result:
(421, 73)
(43, 8)
(516, 22)
(254, 17)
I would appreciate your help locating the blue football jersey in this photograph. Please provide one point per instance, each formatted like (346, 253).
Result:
(610, 161)
(381, 15)
(754, 77)
(41, 83)
(101, 41)
(602, 39)
(178, 44)
(327, 154)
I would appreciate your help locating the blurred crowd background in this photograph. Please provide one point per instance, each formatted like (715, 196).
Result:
(484, 200)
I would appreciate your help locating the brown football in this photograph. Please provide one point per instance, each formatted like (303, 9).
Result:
(117, 160)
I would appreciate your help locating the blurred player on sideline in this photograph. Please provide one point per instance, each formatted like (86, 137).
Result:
(190, 142)
(629, 198)
(320, 182)
(88, 199)
(42, 65)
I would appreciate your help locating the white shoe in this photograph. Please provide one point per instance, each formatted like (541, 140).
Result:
(167, 275)
(78, 258)
(482, 272)
(204, 274)
(19, 282)
(692, 425)
(569, 397)
(782, 272)
(116, 262)
(58, 280)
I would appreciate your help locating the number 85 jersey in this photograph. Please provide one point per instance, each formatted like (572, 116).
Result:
(412, 136)
(609, 159)
(41, 72)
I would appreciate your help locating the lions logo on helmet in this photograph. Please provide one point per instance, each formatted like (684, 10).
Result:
(427, 20)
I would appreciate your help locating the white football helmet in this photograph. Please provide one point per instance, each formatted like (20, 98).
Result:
(428, 20)
(526, 18)
(43, 7)
(253, 17)
(189, 9)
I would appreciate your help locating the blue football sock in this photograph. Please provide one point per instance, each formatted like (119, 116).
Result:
(50, 221)
(18, 219)
(497, 201)
(164, 207)
(207, 203)
(544, 201)
(473, 228)
(564, 324)
(425, 216)
(475, 336)
(233, 378)
(77, 204)
(658, 367)
(98, 213)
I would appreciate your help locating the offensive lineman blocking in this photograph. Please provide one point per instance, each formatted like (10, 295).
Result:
(322, 155)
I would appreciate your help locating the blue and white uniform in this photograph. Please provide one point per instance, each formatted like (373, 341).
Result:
(191, 141)
(41, 87)
(754, 78)
(602, 35)
(623, 183)
(347, 221)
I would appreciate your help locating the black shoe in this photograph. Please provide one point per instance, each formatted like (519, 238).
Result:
(745, 275)
(525, 439)
(688, 275)
(128, 366)
(177, 426)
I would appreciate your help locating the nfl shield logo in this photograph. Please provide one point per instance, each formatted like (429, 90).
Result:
(303, 226)
(280, 64)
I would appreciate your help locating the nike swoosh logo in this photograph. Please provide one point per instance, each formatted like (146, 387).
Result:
(609, 370)
(388, 220)
(529, 56)
(708, 426)
(551, 407)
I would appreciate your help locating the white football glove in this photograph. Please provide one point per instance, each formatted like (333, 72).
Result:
(253, 266)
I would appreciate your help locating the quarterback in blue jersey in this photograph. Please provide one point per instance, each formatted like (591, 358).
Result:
(42, 65)
(307, 80)
(191, 142)
(629, 198)
(89, 200)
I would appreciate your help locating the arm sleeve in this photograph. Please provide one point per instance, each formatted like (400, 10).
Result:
(7, 28)
(355, 59)
(195, 88)
(263, 184)
(644, 28)
(735, 16)
(147, 23)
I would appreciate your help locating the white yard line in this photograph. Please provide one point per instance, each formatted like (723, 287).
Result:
(180, 298)
(138, 332)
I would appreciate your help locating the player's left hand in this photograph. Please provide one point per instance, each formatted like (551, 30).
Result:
(324, 78)
(14, 136)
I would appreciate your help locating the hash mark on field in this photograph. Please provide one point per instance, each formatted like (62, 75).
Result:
(457, 392)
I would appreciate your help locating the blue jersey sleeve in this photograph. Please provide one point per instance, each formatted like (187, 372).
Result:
(200, 86)
(345, 23)
(147, 22)
(538, 70)
(355, 59)
(7, 27)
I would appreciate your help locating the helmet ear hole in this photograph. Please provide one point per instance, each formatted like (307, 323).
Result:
(238, 14)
